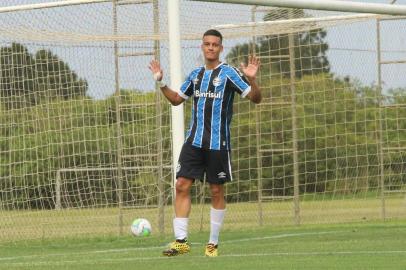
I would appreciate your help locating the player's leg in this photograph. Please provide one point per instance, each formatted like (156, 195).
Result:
(218, 172)
(189, 168)
(217, 213)
(181, 220)
(182, 207)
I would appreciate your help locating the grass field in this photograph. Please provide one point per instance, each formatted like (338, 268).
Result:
(50, 224)
(369, 245)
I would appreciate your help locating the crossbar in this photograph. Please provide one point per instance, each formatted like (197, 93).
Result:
(49, 5)
(331, 5)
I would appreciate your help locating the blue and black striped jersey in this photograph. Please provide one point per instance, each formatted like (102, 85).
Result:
(212, 109)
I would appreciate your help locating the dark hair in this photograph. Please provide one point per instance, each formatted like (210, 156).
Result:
(213, 32)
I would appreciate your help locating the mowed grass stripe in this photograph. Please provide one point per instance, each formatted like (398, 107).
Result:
(347, 246)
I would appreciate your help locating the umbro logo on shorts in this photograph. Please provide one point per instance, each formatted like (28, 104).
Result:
(222, 175)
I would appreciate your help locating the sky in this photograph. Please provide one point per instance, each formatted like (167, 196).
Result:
(352, 47)
(363, 40)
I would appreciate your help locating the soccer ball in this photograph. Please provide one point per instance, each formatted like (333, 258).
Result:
(141, 227)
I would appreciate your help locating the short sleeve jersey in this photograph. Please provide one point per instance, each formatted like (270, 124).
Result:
(212, 109)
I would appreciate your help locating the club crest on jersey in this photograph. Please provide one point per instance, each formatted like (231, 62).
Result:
(216, 81)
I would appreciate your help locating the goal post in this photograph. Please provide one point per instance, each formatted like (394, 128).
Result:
(330, 5)
(50, 5)
(175, 59)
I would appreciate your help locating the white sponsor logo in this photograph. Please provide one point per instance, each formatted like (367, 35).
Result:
(216, 81)
(222, 175)
(207, 94)
(195, 81)
(178, 168)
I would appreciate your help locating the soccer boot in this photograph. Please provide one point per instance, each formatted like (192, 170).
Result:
(211, 250)
(177, 247)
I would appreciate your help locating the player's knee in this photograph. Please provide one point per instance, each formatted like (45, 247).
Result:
(182, 186)
(217, 191)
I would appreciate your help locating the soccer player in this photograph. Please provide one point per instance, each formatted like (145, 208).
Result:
(206, 149)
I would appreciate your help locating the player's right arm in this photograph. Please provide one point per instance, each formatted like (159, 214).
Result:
(173, 96)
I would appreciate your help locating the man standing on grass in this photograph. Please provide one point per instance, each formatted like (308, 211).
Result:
(206, 150)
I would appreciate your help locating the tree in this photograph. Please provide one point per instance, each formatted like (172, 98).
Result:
(26, 79)
(55, 78)
(17, 70)
(309, 46)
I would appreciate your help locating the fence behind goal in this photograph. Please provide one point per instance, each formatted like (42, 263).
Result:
(85, 134)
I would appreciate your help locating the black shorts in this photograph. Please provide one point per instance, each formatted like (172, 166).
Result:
(194, 162)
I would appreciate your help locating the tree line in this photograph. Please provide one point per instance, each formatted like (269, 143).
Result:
(27, 79)
(338, 147)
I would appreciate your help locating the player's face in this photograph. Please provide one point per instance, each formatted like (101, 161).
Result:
(211, 48)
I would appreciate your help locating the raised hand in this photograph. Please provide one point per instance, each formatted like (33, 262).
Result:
(155, 67)
(250, 70)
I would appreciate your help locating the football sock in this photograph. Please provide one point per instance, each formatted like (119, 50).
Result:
(216, 221)
(180, 226)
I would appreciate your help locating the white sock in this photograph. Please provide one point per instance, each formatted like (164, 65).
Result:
(216, 221)
(180, 226)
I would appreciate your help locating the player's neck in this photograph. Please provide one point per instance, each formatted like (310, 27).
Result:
(212, 64)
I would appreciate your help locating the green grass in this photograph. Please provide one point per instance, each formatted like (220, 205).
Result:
(369, 245)
(87, 222)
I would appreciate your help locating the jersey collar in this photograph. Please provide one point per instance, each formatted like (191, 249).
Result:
(221, 63)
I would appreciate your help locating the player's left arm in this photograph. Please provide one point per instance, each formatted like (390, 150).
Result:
(250, 71)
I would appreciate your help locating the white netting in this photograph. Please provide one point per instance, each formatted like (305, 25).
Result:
(85, 139)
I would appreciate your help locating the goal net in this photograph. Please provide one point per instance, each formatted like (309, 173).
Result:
(85, 134)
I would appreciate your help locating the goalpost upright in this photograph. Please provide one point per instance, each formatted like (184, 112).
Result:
(176, 81)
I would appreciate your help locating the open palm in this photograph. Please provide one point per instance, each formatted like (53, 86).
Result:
(155, 67)
(250, 70)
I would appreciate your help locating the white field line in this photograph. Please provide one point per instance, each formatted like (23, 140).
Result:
(188, 257)
(125, 250)
(278, 236)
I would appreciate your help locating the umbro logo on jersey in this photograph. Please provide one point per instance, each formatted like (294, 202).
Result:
(222, 175)
(239, 72)
(195, 81)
